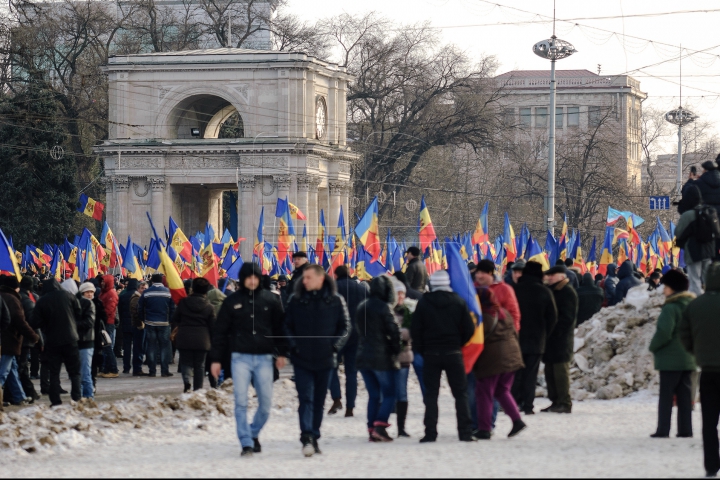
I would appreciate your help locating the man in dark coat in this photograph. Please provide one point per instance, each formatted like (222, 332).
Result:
(249, 330)
(410, 292)
(415, 273)
(353, 293)
(56, 313)
(28, 299)
(317, 326)
(609, 284)
(538, 316)
(300, 262)
(590, 298)
(574, 280)
(12, 340)
(559, 348)
(126, 327)
(627, 281)
(441, 325)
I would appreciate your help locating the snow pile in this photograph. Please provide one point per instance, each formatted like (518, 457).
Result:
(611, 349)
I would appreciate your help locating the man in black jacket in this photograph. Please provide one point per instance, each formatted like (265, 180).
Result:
(86, 338)
(415, 273)
(28, 299)
(353, 293)
(57, 313)
(440, 327)
(538, 316)
(317, 326)
(559, 350)
(300, 262)
(590, 298)
(126, 327)
(249, 330)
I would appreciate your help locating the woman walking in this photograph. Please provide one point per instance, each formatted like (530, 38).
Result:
(378, 347)
(403, 314)
(675, 364)
(194, 318)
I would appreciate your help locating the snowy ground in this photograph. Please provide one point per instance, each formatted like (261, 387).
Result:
(599, 439)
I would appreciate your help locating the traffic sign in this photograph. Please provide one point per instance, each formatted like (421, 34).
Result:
(660, 203)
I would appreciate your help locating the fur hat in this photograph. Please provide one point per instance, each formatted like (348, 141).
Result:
(676, 280)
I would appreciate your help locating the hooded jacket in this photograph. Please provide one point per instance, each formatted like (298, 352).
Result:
(124, 305)
(590, 298)
(378, 334)
(194, 318)
(317, 326)
(12, 337)
(627, 281)
(559, 348)
(685, 237)
(700, 329)
(354, 294)
(249, 321)
(709, 185)
(610, 284)
(665, 345)
(538, 314)
(109, 298)
(56, 313)
(441, 324)
(86, 325)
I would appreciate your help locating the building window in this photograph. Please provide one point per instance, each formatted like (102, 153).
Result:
(525, 117)
(594, 116)
(558, 117)
(573, 116)
(541, 114)
(509, 116)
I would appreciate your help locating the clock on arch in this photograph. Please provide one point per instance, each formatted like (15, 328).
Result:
(320, 118)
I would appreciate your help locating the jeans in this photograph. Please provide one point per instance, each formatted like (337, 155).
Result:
(86, 355)
(138, 350)
(710, 396)
(523, 388)
(452, 364)
(257, 369)
(418, 364)
(192, 364)
(381, 386)
(70, 356)
(110, 362)
(679, 385)
(349, 355)
(696, 275)
(486, 391)
(401, 377)
(9, 374)
(557, 377)
(312, 389)
(158, 339)
(127, 343)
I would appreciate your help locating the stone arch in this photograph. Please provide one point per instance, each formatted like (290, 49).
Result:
(205, 108)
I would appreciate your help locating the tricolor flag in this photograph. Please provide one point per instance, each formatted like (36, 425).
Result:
(179, 242)
(426, 231)
(8, 260)
(368, 230)
(91, 208)
(295, 212)
(535, 254)
(606, 256)
(591, 263)
(480, 235)
(131, 263)
(509, 241)
(175, 283)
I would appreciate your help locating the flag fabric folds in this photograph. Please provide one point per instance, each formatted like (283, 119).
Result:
(91, 208)
(426, 231)
(368, 230)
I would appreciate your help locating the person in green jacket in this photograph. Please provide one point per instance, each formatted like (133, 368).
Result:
(675, 364)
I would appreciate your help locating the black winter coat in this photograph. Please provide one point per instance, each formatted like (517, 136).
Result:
(28, 305)
(12, 337)
(194, 318)
(441, 324)
(538, 314)
(317, 326)
(378, 334)
(627, 281)
(86, 325)
(124, 306)
(294, 280)
(354, 294)
(709, 185)
(560, 343)
(590, 299)
(416, 274)
(56, 313)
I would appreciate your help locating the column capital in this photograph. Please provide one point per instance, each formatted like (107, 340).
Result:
(246, 183)
(122, 183)
(337, 187)
(107, 181)
(157, 183)
(282, 181)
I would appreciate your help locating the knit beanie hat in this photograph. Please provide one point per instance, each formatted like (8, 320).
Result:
(676, 280)
(440, 282)
(87, 287)
(398, 285)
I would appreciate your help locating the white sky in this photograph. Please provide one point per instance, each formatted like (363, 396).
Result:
(512, 44)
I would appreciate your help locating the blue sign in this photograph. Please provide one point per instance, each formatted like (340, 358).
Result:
(660, 203)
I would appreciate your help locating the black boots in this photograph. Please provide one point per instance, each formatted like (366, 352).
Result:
(518, 426)
(337, 405)
(402, 408)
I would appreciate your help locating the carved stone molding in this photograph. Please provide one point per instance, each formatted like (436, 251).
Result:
(343, 167)
(312, 162)
(304, 182)
(107, 181)
(157, 183)
(315, 181)
(263, 161)
(337, 188)
(282, 181)
(138, 162)
(137, 182)
(246, 183)
(122, 183)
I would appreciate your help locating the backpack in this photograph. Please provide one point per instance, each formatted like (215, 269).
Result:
(706, 227)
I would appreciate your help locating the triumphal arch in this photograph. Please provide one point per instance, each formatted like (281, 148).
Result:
(187, 126)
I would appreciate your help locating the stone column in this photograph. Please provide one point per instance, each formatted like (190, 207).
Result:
(157, 208)
(122, 184)
(214, 213)
(336, 189)
(246, 186)
(282, 184)
(303, 189)
(345, 200)
(313, 208)
(109, 202)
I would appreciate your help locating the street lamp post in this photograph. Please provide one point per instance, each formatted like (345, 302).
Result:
(679, 117)
(552, 49)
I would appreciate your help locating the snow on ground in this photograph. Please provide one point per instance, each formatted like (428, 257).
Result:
(599, 439)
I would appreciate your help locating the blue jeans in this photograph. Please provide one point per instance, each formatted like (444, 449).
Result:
(86, 355)
(418, 363)
(138, 350)
(349, 355)
(9, 374)
(110, 362)
(257, 369)
(158, 338)
(401, 377)
(312, 389)
(380, 385)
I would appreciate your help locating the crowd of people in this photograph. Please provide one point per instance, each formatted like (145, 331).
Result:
(379, 330)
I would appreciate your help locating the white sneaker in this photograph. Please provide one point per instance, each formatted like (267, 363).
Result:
(308, 450)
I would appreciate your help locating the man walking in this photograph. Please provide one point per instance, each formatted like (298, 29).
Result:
(300, 262)
(138, 332)
(317, 327)
(559, 350)
(156, 308)
(249, 330)
(415, 273)
(441, 325)
(126, 327)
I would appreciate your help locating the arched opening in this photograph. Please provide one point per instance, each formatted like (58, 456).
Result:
(206, 116)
